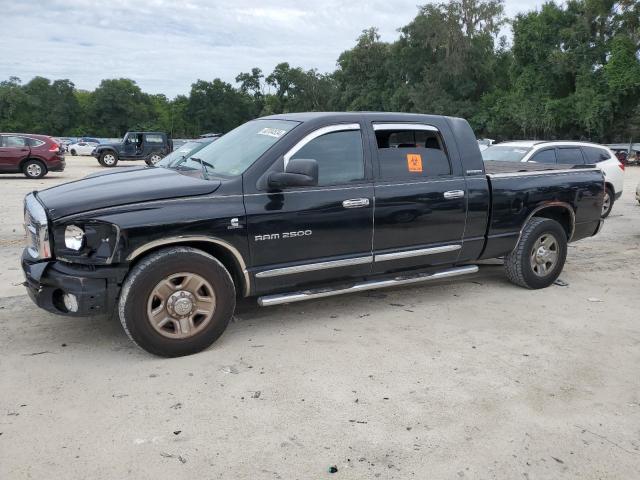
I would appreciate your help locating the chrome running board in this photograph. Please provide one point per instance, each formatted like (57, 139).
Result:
(277, 299)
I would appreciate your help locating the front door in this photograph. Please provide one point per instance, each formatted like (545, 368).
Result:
(303, 235)
(13, 150)
(420, 210)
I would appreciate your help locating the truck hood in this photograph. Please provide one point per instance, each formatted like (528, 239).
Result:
(122, 188)
(114, 146)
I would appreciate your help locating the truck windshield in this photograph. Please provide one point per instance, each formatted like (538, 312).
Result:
(505, 153)
(235, 151)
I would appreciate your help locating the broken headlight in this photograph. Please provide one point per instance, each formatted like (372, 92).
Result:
(86, 242)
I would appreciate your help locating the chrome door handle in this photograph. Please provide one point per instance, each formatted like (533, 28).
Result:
(453, 194)
(356, 203)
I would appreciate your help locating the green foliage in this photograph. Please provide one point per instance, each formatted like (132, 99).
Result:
(572, 70)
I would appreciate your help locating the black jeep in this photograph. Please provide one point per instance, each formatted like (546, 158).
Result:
(147, 146)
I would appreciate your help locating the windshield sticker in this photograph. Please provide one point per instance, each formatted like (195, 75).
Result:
(272, 132)
(414, 162)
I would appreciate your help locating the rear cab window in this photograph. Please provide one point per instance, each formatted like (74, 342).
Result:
(410, 152)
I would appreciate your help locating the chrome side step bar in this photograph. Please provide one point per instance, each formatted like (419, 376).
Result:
(278, 299)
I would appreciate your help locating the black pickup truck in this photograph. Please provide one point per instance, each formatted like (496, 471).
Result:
(294, 207)
(148, 146)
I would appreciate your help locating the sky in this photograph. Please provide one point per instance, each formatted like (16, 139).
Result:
(165, 45)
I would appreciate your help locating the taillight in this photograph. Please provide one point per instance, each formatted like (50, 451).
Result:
(621, 165)
(54, 147)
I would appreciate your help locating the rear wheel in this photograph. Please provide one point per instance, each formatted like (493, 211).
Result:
(34, 169)
(607, 204)
(108, 159)
(153, 159)
(177, 301)
(539, 256)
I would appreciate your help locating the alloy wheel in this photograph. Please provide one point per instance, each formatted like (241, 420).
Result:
(544, 254)
(181, 305)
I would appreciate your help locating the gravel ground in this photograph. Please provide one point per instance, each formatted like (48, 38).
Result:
(473, 378)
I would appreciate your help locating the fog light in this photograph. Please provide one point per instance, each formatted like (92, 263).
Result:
(70, 302)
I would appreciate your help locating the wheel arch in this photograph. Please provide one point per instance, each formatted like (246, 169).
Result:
(226, 253)
(25, 160)
(561, 212)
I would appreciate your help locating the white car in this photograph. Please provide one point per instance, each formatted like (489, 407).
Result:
(81, 148)
(565, 153)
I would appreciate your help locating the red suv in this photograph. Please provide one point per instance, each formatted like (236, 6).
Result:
(33, 155)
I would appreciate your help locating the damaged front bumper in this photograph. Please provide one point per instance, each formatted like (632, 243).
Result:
(89, 290)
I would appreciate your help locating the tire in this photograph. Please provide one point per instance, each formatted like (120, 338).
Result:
(34, 169)
(73, 152)
(530, 267)
(609, 198)
(153, 159)
(154, 289)
(108, 159)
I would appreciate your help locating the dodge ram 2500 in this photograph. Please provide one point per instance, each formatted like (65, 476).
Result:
(294, 207)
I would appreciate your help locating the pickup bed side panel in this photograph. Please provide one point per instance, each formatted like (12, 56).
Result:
(516, 197)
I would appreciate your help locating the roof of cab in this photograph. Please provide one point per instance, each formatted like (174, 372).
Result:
(308, 116)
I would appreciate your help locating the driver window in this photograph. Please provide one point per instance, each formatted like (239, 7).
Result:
(339, 155)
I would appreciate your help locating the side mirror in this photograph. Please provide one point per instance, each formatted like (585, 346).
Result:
(300, 172)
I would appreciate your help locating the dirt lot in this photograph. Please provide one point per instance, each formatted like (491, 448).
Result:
(473, 378)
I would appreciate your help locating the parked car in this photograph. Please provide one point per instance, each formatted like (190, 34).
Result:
(88, 140)
(81, 148)
(32, 155)
(282, 209)
(147, 146)
(566, 153)
(485, 143)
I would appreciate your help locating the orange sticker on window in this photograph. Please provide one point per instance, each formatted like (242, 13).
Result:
(414, 162)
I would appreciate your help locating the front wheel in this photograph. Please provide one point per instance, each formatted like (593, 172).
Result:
(153, 159)
(34, 169)
(108, 159)
(177, 301)
(539, 256)
(73, 152)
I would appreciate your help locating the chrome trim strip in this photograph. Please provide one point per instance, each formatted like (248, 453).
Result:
(311, 267)
(338, 127)
(269, 300)
(416, 253)
(197, 238)
(403, 126)
(541, 172)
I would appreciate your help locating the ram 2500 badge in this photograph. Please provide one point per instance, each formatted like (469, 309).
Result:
(293, 207)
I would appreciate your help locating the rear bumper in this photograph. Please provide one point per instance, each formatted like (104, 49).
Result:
(96, 289)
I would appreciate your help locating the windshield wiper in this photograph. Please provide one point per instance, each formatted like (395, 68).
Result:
(205, 175)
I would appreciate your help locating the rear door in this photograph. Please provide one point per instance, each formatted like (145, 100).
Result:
(303, 235)
(13, 149)
(420, 209)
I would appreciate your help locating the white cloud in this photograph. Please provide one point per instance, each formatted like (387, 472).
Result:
(167, 45)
